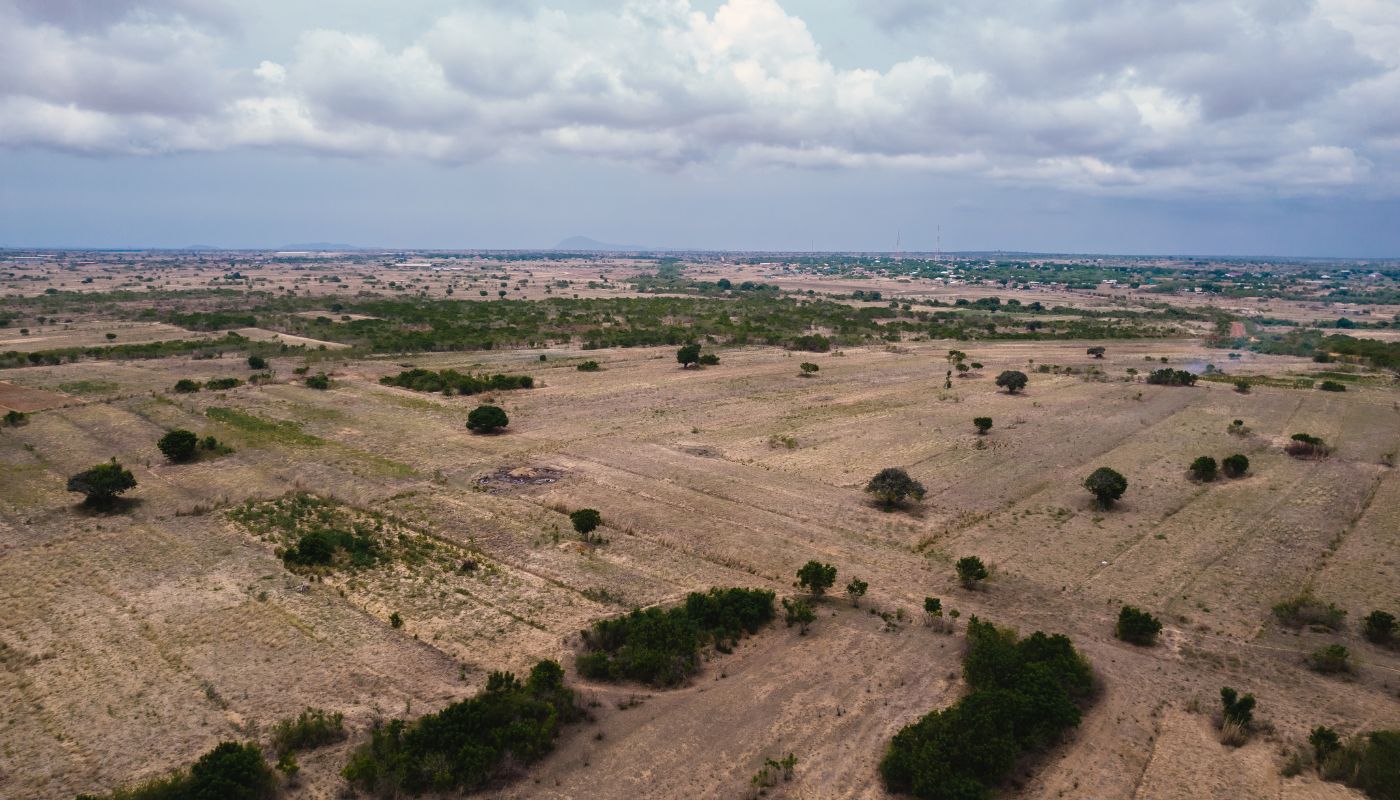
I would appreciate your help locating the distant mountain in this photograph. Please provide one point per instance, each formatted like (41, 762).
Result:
(318, 246)
(200, 248)
(585, 243)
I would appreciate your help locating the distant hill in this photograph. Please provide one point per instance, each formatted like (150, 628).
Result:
(585, 243)
(318, 246)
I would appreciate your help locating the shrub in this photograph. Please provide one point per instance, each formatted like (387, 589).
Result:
(893, 485)
(1107, 486)
(1242, 386)
(1137, 626)
(319, 381)
(1012, 381)
(1203, 468)
(688, 355)
(219, 384)
(179, 445)
(1025, 693)
(467, 744)
(585, 521)
(1302, 445)
(187, 386)
(808, 368)
(257, 362)
(588, 366)
(662, 647)
(230, 771)
(983, 424)
(1237, 709)
(450, 381)
(856, 590)
(1379, 627)
(1330, 659)
(1235, 466)
(811, 343)
(816, 577)
(1171, 377)
(487, 419)
(101, 484)
(1370, 762)
(14, 419)
(971, 571)
(329, 548)
(309, 730)
(1325, 742)
(1332, 386)
(1096, 352)
(799, 612)
(709, 360)
(1304, 609)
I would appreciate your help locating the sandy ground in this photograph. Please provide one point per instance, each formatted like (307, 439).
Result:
(135, 641)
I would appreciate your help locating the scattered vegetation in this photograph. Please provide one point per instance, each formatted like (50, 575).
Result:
(588, 366)
(308, 730)
(1171, 377)
(450, 381)
(469, 743)
(662, 647)
(1380, 628)
(320, 381)
(1025, 694)
(798, 611)
(1303, 445)
(1330, 659)
(230, 771)
(1305, 610)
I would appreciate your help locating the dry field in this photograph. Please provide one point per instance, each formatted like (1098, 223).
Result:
(133, 642)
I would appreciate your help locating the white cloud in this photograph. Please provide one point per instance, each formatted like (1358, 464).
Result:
(1119, 96)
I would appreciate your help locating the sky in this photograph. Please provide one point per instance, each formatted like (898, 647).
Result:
(1227, 127)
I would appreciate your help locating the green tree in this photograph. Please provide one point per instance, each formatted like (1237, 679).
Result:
(1096, 352)
(816, 577)
(487, 419)
(856, 590)
(257, 362)
(933, 609)
(983, 424)
(1203, 468)
(102, 483)
(688, 355)
(1379, 627)
(585, 521)
(1237, 709)
(320, 381)
(1106, 485)
(179, 445)
(1012, 381)
(1324, 741)
(971, 571)
(186, 386)
(799, 613)
(232, 771)
(14, 419)
(1137, 626)
(1235, 466)
(892, 485)
(808, 368)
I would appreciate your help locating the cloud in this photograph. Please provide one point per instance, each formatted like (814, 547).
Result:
(1117, 97)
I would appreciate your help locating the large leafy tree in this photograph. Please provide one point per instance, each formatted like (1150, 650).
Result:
(1107, 485)
(1012, 380)
(101, 484)
(487, 419)
(892, 485)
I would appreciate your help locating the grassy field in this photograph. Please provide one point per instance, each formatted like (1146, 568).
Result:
(134, 641)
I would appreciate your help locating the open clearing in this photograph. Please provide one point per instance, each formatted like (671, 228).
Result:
(135, 641)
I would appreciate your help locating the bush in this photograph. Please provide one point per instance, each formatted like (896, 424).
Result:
(971, 571)
(450, 381)
(688, 355)
(799, 612)
(1332, 386)
(1107, 486)
(319, 381)
(816, 577)
(1137, 626)
(1012, 381)
(1242, 386)
(983, 424)
(1235, 466)
(811, 343)
(1302, 445)
(187, 386)
(1025, 694)
(487, 419)
(309, 730)
(467, 744)
(1330, 659)
(219, 384)
(13, 419)
(1171, 377)
(329, 548)
(257, 362)
(230, 771)
(662, 647)
(892, 485)
(1203, 468)
(101, 484)
(856, 590)
(709, 360)
(808, 368)
(585, 521)
(1237, 709)
(1304, 609)
(1379, 627)
(1370, 763)
(588, 366)
(179, 445)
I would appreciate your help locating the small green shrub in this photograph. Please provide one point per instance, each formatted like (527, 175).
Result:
(1203, 468)
(487, 419)
(816, 577)
(219, 384)
(319, 381)
(308, 730)
(1332, 386)
(799, 612)
(983, 424)
(1379, 627)
(1304, 609)
(1235, 466)
(588, 366)
(971, 571)
(179, 445)
(1137, 626)
(1330, 659)
(187, 386)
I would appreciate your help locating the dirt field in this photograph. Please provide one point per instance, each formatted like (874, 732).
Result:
(135, 641)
